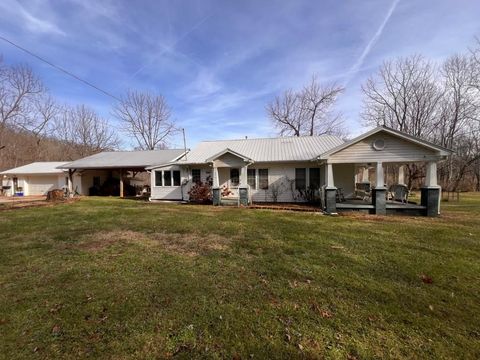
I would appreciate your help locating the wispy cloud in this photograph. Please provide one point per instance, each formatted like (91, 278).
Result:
(30, 21)
(368, 48)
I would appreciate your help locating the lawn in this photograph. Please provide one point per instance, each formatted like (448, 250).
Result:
(111, 278)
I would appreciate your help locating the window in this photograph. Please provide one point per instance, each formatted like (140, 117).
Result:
(167, 178)
(314, 178)
(301, 179)
(164, 178)
(158, 178)
(234, 177)
(251, 180)
(96, 181)
(196, 178)
(176, 178)
(263, 179)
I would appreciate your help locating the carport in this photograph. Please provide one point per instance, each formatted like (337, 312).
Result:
(123, 163)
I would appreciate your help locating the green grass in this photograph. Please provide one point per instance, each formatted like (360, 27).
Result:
(110, 278)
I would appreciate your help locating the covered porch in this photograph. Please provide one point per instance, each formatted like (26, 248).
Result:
(230, 178)
(375, 193)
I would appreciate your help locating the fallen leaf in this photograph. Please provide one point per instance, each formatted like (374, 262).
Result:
(300, 346)
(56, 330)
(326, 314)
(288, 337)
(426, 279)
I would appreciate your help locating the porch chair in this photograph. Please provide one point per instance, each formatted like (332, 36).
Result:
(399, 192)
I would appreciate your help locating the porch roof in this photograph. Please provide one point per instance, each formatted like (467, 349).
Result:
(440, 150)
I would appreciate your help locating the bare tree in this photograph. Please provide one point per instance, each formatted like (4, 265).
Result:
(308, 111)
(83, 132)
(146, 117)
(403, 95)
(23, 100)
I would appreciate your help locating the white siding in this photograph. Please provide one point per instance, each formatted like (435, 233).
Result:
(175, 192)
(396, 150)
(282, 176)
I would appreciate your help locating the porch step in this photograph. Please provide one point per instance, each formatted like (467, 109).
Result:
(229, 201)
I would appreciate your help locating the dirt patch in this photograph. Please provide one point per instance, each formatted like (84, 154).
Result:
(104, 239)
(17, 205)
(191, 244)
(174, 243)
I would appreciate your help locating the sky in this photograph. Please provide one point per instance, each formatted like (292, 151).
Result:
(219, 63)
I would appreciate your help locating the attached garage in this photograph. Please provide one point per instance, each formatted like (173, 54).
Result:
(40, 185)
(33, 179)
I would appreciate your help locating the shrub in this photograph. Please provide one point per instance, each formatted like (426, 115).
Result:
(201, 192)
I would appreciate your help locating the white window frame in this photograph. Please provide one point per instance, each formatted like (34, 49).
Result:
(171, 178)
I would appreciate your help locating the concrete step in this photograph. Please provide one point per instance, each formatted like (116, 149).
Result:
(229, 201)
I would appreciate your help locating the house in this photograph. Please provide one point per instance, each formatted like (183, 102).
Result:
(33, 179)
(288, 169)
(284, 169)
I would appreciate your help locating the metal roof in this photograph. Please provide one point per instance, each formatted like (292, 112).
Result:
(124, 159)
(302, 148)
(50, 167)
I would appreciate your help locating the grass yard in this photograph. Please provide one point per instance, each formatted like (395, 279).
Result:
(111, 278)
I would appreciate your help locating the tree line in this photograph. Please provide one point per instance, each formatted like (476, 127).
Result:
(436, 101)
(35, 127)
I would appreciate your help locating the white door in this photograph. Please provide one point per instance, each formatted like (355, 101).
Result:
(40, 185)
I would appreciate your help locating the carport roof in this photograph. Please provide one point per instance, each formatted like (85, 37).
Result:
(47, 167)
(124, 159)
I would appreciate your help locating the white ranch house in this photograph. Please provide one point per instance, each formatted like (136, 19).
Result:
(343, 175)
(281, 169)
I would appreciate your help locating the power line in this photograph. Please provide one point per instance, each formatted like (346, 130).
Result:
(60, 69)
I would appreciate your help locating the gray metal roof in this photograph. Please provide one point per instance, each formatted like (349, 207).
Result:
(50, 167)
(303, 148)
(125, 159)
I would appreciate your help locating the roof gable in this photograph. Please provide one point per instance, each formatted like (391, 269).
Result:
(425, 147)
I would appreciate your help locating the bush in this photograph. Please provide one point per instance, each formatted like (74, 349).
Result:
(201, 192)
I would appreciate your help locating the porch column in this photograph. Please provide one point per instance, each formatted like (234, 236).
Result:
(121, 183)
(243, 175)
(365, 175)
(70, 182)
(401, 174)
(430, 197)
(216, 181)
(330, 190)
(379, 193)
(243, 196)
(216, 187)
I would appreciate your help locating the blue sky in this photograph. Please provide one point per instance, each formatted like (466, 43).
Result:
(218, 63)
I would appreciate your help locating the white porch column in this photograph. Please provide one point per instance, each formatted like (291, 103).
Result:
(401, 174)
(70, 183)
(365, 174)
(380, 176)
(329, 176)
(243, 175)
(431, 178)
(216, 181)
